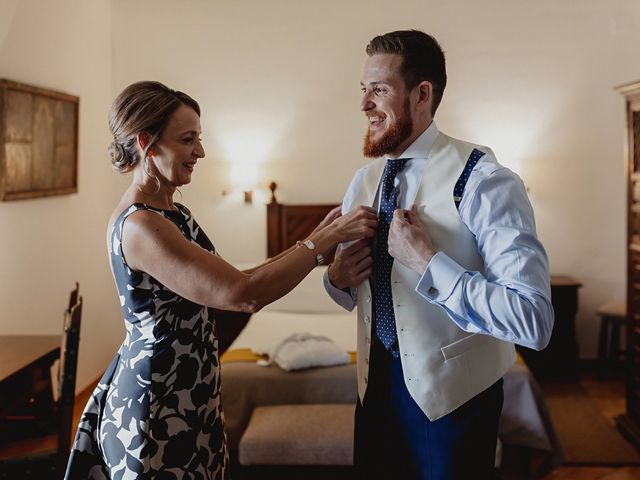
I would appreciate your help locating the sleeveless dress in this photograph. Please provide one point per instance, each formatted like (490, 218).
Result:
(156, 412)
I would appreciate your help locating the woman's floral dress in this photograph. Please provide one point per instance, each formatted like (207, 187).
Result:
(156, 412)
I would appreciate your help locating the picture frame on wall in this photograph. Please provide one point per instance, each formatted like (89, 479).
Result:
(38, 142)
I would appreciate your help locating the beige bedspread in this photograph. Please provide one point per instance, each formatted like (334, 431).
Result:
(524, 422)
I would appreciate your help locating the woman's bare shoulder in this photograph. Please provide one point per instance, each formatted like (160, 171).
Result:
(117, 212)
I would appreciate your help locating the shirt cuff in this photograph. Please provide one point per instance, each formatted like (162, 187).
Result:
(344, 298)
(439, 278)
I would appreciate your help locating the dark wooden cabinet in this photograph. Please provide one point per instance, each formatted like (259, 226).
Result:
(559, 362)
(629, 423)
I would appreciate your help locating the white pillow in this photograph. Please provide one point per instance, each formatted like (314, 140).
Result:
(304, 350)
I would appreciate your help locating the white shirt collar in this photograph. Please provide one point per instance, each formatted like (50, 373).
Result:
(421, 146)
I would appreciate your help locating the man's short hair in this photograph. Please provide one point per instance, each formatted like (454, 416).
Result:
(422, 59)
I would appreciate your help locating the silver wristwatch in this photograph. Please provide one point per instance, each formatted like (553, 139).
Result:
(311, 246)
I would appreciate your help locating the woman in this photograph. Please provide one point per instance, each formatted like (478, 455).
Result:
(156, 413)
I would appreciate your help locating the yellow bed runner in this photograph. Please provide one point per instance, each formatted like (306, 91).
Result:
(246, 355)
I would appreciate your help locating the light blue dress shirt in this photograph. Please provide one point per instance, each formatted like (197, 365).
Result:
(511, 299)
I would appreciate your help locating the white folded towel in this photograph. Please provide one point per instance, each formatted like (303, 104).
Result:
(304, 350)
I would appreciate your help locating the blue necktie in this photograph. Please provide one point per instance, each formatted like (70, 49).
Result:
(385, 318)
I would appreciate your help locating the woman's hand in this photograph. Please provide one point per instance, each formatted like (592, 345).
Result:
(328, 220)
(355, 225)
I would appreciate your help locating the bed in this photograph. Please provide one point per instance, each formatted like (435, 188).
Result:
(527, 447)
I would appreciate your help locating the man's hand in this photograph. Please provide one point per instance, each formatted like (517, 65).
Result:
(352, 265)
(409, 240)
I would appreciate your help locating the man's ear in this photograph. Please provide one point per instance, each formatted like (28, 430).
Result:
(425, 96)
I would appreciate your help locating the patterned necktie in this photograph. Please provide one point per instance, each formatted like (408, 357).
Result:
(385, 318)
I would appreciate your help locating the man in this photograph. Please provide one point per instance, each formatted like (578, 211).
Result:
(454, 278)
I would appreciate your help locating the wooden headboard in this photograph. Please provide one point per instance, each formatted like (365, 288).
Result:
(286, 224)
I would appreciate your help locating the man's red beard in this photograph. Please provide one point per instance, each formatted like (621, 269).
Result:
(397, 133)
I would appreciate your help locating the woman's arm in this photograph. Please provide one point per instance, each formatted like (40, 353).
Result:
(153, 244)
(335, 212)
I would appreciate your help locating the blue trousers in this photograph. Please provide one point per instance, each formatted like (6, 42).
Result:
(395, 440)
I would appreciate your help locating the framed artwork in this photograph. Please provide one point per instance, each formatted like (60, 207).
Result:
(38, 142)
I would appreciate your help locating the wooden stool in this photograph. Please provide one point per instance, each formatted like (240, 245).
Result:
(613, 316)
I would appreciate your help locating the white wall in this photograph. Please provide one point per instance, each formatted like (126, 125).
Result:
(279, 85)
(278, 82)
(47, 244)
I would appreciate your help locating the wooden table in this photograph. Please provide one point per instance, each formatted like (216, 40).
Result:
(559, 362)
(26, 395)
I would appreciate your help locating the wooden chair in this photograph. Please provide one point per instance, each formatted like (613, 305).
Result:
(34, 416)
(73, 297)
(26, 464)
(68, 370)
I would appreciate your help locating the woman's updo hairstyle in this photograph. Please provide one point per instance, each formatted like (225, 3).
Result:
(141, 107)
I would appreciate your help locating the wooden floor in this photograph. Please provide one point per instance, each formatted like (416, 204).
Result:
(608, 394)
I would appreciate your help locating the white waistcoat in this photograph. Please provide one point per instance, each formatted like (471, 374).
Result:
(443, 365)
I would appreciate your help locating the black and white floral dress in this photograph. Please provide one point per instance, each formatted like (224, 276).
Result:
(156, 412)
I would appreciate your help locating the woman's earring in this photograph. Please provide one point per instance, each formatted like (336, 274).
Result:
(147, 170)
